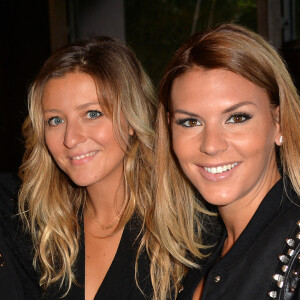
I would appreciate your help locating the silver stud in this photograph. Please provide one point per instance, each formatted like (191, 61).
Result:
(217, 278)
(296, 274)
(273, 294)
(298, 236)
(290, 242)
(280, 284)
(284, 259)
(278, 277)
(284, 268)
(291, 252)
(298, 223)
(292, 289)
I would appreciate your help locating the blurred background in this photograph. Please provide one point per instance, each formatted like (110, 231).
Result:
(31, 30)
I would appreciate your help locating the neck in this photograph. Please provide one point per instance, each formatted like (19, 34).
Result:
(238, 214)
(106, 200)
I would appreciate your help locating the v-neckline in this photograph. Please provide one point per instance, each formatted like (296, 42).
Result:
(122, 266)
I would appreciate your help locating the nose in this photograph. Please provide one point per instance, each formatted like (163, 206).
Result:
(213, 141)
(74, 135)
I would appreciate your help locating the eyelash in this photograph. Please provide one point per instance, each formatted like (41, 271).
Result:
(245, 117)
(53, 119)
(99, 114)
(182, 122)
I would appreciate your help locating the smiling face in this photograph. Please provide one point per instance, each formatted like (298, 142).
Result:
(224, 133)
(78, 134)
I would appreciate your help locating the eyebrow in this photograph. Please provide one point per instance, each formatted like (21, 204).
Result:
(80, 107)
(227, 110)
(85, 105)
(182, 111)
(236, 106)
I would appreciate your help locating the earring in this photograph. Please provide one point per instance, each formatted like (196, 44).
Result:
(281, 139)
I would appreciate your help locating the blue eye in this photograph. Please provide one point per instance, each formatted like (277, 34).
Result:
(239, 118)
(94, 114)
(190, 122)
(54, 121)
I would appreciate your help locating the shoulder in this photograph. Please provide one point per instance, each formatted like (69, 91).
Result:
(9, 186)
(286, 280)
(11, 287)
(9, 182)
(9, 282)
(14, 240)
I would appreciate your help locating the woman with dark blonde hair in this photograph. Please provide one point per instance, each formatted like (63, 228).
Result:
(228, 121)
(87, 189)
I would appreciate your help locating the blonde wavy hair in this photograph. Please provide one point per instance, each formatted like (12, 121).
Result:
(237, 49)
(51, 205)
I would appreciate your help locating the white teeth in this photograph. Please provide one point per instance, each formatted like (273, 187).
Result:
(84, 155)
(220, 169)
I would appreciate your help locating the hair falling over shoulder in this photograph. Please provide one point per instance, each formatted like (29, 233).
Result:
(51, 205)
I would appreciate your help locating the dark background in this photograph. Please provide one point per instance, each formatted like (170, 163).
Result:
(31, 30)
(25, 45)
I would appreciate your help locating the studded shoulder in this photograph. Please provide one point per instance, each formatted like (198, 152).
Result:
(286, 280)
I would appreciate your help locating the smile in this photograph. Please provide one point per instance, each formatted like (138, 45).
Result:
(84, 155)
(220, 169)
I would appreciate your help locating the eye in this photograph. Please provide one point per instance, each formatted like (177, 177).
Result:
(94, 114)
(188, 122)
(54, 121)
(239, 118)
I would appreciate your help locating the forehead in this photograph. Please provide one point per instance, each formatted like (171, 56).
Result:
(71, 88)
(214, 87)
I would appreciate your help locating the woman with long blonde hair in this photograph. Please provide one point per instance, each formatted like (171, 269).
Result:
(228, 121)
(87, 181)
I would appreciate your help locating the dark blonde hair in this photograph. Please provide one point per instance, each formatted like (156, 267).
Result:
(239, 50)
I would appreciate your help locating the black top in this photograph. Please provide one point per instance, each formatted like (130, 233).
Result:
(17, 277)
(119, 282)
(19, 281)
(247, 270)
(10, 285)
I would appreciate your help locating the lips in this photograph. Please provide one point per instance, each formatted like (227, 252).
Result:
(220, 169)
(82, 156)
(218, 172)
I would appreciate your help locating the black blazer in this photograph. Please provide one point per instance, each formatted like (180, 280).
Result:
(264, 263)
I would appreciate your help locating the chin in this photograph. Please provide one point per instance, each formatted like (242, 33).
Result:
(81, 181)
(217, 198)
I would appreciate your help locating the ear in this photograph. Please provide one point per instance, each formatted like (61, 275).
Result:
(278, 134)
(131, 131)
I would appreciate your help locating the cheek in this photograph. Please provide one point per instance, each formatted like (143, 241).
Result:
(49, 141)
(53, 144)
(104, 137)
(106, 140)
(258, 141)
(182, 147)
